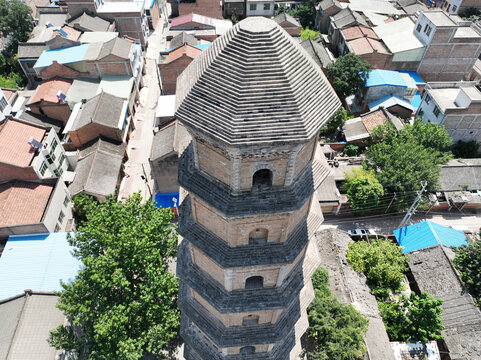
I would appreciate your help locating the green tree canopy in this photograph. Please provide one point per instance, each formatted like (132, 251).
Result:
(16, 22)
(468, 263)
(363, 191)
(307, 33)
(381, 261)
(305, 12)
(338, 119)
(404, 158)
(123, 302)
(413, 318)
(348, 74)
(466, 149)
(337, 330)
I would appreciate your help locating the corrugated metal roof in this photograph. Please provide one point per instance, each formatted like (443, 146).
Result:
(37, 262)
(388, 101)
(426, 234)
(379, 77)
(62, 56)
(167, 200)
(415, 76)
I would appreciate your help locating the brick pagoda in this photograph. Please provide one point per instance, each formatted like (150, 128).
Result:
(253, 102)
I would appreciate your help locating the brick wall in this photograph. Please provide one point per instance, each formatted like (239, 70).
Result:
(92, 131)
(170, 72)
(53, 110)
(210, 8)
(12, 172)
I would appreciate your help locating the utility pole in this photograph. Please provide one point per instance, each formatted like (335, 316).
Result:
(385, 212)
(413, 207)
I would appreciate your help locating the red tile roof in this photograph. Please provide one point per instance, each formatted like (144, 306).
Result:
(23, 202)
(363, 46)
(185, 19)
(188, 50)
(373, 120)
(8, 93)
(72, 34)
(355, 32)
(14, 137)
(48, 90)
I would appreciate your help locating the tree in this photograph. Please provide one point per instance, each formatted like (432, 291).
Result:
(382, 262)
(348, 74)
(338, 119)
(404, 158)
(468, 263)
(364, 192)
(413, 318)
(305, 12)
(16, 23)
(466, 149)
(123, 302)
(337, 330)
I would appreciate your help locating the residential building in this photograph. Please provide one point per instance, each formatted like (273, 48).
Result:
(210, 8)
(319, 53)
(250, 151)
(99, 169)
(452, 46)
(411, 7)
(406, 49)
(457, 106)
(368, 7)
(260, 8)
(49, 99)
(29, 152)
(324, 10)
(117, 57)
(34, 207)
(168, 143)
(344, 18)
(7, 97)
(173, 64)
(202, 27)
(459, 6)
(289, 23)
(86, 22)
(363, 41)
(234, 7)
(165, 112)
(182, 38)
(104, 115)
(394, 104)
(359, 129)
(153, 10)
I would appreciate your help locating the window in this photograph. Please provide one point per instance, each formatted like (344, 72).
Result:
(62, 159)
(418, 28)
(61, 216)
(454, 8)
(258, 237)
(262, 177)
(436, 111)
(250, 320)
(66, 201)
(3, 104)
(427, 98)
(254, 282)
(57, 228)
(54, 146)
(50, 158)
(43, 169)
(427, 29)
(253, 7)
(267, 6)
(247, 350)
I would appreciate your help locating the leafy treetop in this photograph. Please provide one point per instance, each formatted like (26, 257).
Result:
(123, 302)
(348, 74)
(468, 263)
(363, 191)
(16, 23)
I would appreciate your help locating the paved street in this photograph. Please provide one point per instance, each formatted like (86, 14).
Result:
(137, 168)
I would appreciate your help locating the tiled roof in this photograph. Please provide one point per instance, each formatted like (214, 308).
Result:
(389, 101)
(90, 23)
(8, 93)
(286, 17)
(187, 50)
(318, 52)
(31, 50)
(118, 47)
(62, 56)
(196, 18)
(182, 39)
(264, 97)
(14, 137)
(48, 90)
(365, 45)
(374, 119)
(379, 77)
(23, 202)
(359, 31)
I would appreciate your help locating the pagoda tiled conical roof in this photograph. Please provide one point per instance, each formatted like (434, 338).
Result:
(255, 84)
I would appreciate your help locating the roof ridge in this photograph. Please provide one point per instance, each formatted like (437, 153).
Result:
(20, 319)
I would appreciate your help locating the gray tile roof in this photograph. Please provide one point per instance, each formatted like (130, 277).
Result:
(98, 168)
(103, 109)
(182, 39)
(274, 92)
(317, 51)
(86, 22)
(286, 17)
(31, 50)
(171, 138)
(347, 17)
(118, 47)
(326, 4)
(457, 174)
(26, 321)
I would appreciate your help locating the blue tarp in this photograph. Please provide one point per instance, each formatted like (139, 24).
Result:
(202, 46)
(167, 200)
(379, 77)
(62, 56)
(426, 234)
(37, 262)
(416, 100)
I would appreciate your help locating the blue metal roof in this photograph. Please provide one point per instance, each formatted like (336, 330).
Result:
(426, 234)
(62, 56)
(388, 101)
(415, 76)
(167, 200)
(202, 46)
(416, 100)
(37, 262)
(379, 77)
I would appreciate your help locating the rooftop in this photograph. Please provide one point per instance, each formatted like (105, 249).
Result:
(358, 31)
(118, 47)
(461, 173)
(326, 4)
(86, 22)
(165, 106)
(98, 168)
(14, 138)
(439, 18)
(22, 203)
(81, 89)
(49, 89)
(379, 77)
(426, 234)
(264, 98)
(318, 52)
(398, 35)
(346, 17)
(62, 56)
(452, 95)
(182, 39)
(389, 101)
(196, 21)
(283, 16)
(366, 45)
(375, 6)
(186, 50)
(97, 36)
(37, 262)
(113, 7)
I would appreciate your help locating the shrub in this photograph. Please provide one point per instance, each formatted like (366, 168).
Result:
(351, 149)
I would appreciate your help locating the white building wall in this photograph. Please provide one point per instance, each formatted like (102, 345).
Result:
(60, 201)
(259, 8)
(422, 32)
(58, 166)
(5, 106)
(452, 6)
(426, 110)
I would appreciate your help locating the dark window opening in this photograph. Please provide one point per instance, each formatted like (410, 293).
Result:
(258, 237)
(250, 320)
(262, 178)
(254, 282)
(247, 350)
